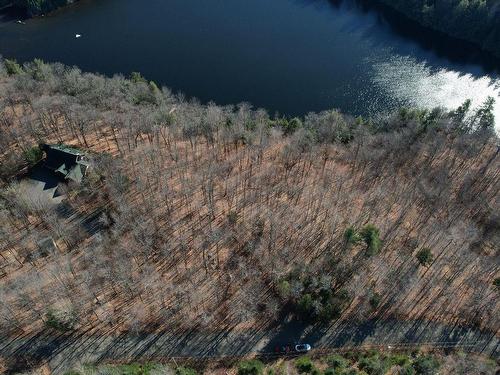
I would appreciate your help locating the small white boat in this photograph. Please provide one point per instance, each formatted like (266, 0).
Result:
(21, 22)
(78, 36)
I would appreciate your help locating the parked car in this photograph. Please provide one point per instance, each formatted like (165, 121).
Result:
(302, 348)
(291, 348)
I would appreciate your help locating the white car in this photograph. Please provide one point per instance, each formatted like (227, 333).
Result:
(302, 348)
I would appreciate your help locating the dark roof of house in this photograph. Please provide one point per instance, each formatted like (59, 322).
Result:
(66, 149)
(65, 161)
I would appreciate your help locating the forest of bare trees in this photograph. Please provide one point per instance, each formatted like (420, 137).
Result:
(211, 217)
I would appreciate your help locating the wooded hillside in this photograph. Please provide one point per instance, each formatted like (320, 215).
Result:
(477, 21)
(37, 7)
(214, 217)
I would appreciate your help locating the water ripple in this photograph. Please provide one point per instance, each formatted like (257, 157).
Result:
(417, 84)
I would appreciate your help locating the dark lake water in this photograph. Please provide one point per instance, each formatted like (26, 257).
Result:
(288, 56)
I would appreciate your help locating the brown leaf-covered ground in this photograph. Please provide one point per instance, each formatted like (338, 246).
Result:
(192, 215)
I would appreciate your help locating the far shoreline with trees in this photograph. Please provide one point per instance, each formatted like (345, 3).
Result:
(476, 21)
(35, 8)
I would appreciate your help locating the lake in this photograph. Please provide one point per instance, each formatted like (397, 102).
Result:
(288, 56)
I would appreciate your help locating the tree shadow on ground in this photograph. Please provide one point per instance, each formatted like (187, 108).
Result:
(63, 351)
(388, 331)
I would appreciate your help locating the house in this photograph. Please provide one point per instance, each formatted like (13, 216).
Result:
(66, 162)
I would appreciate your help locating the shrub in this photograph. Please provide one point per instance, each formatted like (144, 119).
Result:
(38, 70)
(184, 371)
(126, 369)
(294, 124)
(232, 218)
(352, 371)
(258, 228)
(248, 247)
(406, 370)
(373, 365)
(485, 114)
(352, 356)
(137, 77)
(336, 361)
(425, 257)
(331, 310)
(496, 283)
(375, 300)
(399, 359)
(305, 304)
(12, 67)
(284, 289)
(312, 297)
(60, 320)
(426, 365)
(250, 367)
(351, 236)
(130, 369)
(342, 297)
(153, 87)
(288, 126)
(3, 70)
(33, 155)
(371, 236)
(304, 364)
(459, 116)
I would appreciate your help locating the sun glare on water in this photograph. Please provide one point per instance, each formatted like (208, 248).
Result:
(416, 84)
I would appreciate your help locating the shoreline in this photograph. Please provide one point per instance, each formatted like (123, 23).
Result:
(384, 6)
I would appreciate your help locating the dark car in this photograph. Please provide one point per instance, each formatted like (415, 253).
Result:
(283, 349)
(292, 348)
